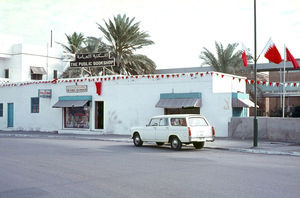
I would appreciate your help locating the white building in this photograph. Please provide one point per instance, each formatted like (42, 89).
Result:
(24, 62)
(113, 104)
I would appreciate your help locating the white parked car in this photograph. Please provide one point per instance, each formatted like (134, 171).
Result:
(176, 130)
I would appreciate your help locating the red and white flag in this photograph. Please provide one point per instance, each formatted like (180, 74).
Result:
(244, 55)
(272, 53)
(289, 57)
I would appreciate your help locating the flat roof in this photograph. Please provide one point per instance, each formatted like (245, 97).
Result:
(183, 70)
(274, 67)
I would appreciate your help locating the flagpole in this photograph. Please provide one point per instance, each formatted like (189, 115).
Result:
(264, 47)
(283, 89)
(255, 131)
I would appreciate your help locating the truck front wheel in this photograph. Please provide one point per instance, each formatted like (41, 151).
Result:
(176, 144)
(137, 141)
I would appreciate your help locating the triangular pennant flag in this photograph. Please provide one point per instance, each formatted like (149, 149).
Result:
(244, 55)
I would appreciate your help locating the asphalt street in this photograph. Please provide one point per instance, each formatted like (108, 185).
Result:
(40, 167)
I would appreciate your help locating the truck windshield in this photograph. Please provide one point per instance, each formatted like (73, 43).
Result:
(197, 121)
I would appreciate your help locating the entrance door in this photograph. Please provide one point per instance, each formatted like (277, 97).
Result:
(10, 114)
(99, 115)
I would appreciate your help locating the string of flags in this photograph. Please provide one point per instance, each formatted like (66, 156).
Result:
(153, 77)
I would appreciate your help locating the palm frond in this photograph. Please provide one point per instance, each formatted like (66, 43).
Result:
(125, 37)
(227, 60)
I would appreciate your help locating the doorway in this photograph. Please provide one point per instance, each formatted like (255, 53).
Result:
(99, 115)
(10, 114)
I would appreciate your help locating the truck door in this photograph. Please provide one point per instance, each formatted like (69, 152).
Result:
(162, 131)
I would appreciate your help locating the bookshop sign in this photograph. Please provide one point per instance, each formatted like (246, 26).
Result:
(93, 60)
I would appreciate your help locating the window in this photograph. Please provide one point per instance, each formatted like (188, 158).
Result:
(197, 122)
(154, 122)
(36, 76)
(1, 109)
(189, 110)
(77, 117)
(178, 122)
(37, 73)
(54, 74)
(164, 122)
(6, 73)
(35, 105)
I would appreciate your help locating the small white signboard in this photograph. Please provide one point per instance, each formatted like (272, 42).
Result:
(77, 88)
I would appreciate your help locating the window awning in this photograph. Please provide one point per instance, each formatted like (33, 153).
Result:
(179, 100)
(239, 102)
(175, 103)
(72, 101)
(38, 70)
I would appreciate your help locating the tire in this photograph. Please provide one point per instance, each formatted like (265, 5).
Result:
(198, 145)
(176, 144)
(160, 143)
(137, 141)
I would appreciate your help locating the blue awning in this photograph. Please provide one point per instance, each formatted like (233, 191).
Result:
(241, 100)
(72, 101)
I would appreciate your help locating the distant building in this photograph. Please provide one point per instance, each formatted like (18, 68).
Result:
(272, 96)
(24, 62)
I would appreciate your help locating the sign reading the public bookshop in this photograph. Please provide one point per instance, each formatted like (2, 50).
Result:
(77, 88)
(45, 93)
(93, 60)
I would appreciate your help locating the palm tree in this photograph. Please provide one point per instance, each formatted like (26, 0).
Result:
(125, 37)
(92, 45)
(75, 42)
(228, 60)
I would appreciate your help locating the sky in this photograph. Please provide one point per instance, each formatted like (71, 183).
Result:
(179, 28)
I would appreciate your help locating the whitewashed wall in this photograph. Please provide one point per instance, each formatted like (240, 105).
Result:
(127, 102)
(21, 56)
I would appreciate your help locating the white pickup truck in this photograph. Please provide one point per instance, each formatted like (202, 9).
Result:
(176, 130)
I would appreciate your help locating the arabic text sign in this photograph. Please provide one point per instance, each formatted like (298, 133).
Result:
(93, 60)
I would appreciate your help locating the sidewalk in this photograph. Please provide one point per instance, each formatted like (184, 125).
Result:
(264, 147)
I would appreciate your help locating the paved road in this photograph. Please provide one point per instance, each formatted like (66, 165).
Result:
(33, 167)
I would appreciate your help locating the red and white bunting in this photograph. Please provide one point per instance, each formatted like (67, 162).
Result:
(192, 75)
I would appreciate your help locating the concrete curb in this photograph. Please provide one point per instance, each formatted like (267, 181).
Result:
(256, 151)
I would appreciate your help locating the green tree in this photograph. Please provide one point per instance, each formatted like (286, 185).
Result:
(75, 42)
(92, 45)
(227, 60)
(125, 37)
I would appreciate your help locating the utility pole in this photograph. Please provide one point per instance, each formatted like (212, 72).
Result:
(255, 127)
(51, 39)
